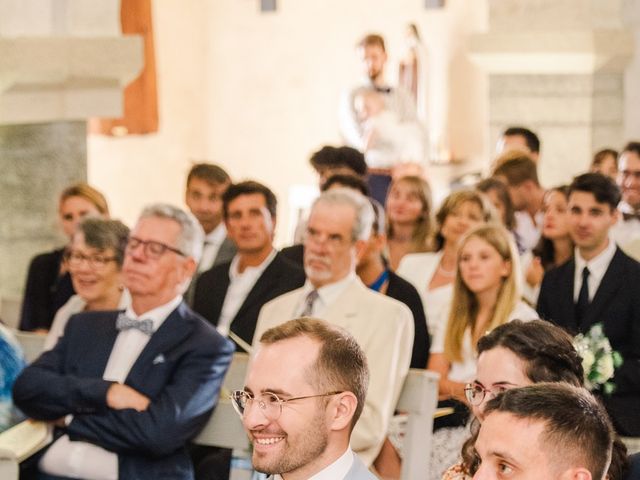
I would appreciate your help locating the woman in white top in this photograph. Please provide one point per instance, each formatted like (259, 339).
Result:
(408, 210)
(95, 261)
(555, 246)
(486, 294)
(433, 273)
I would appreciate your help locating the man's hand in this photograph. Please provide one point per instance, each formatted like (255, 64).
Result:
(120, 397)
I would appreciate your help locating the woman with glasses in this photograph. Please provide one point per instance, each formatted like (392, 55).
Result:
(48, 284)
(95, 261)
(514, 355)
(486, 294)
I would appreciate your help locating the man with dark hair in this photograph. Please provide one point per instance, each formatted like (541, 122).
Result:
(337, 231)
(599, 285)
(373, 55)
(304, 393)
(128, 389)
(519, 138)
(519, 172)
(544, 431)
(627, 231)
(206, 183)
(231, 294)
(329, 161)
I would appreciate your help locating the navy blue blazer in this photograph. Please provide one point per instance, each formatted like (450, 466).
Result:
(181, 370)
(616, 304)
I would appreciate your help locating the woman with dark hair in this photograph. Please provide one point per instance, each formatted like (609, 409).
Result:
(95, 259)
(48, 284)
(514, 355)
(555, 246)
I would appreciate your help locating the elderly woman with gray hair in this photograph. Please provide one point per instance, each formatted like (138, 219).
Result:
(95, 262)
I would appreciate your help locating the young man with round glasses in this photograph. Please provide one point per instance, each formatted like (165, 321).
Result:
(304, 392)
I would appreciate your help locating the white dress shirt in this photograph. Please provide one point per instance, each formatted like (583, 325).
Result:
(326, 295)
(86, 460)
(597, 268)
(624, 231)
(240, 284)
(212, 242)
(529, 229)
(336, 471)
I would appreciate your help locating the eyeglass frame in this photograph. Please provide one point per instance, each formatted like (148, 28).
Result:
(94, 261)
(470, 387)
(128, 248)
(263, 405)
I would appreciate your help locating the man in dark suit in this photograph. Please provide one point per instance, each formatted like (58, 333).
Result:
(129, 389)
(231, 295)
(600, 285)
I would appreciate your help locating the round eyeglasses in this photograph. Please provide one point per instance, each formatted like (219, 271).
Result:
(476, 393)
(151, 248)
(269, 403)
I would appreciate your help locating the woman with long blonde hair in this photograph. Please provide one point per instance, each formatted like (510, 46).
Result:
(486, 294)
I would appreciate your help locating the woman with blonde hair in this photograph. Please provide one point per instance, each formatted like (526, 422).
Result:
(433, 273)
(408, 210)
(48, 284)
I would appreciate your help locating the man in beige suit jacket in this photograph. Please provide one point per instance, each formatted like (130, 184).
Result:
(339, 224)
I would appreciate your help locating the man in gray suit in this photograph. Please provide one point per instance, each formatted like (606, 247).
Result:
(304, 393)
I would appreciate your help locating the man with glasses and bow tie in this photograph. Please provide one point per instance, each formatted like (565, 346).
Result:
(304, 392)
(129, 389)
(627, 231)
(338, 229)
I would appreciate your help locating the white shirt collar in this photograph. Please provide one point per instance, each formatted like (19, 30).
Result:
(217, 235)
(336, 471)
(327, 294)
(255, 270)
(157, 315)
(597, 266)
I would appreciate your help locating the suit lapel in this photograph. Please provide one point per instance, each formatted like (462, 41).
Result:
(609, 285)
(172, 332)
(257, 294)
(565, 296)
(99, 347)
(218, 293)
(347, 303)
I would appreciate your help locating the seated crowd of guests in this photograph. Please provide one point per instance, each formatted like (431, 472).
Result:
(487, 289)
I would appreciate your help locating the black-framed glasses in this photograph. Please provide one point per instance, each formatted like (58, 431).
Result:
(75, 259)
(476, 393)
(269, 403)
(151, 248)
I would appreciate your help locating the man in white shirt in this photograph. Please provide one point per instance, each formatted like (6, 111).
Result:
(519, 172)
(231, 294)
(129, 389)
(627, 231)
(600, 285)
(206, 183)
(304, 393)
(338, 229)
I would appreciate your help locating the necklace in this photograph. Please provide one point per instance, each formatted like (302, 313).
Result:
(445, 272)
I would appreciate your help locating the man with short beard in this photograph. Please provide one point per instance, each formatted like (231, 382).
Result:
(337, 232)
(320, 375)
